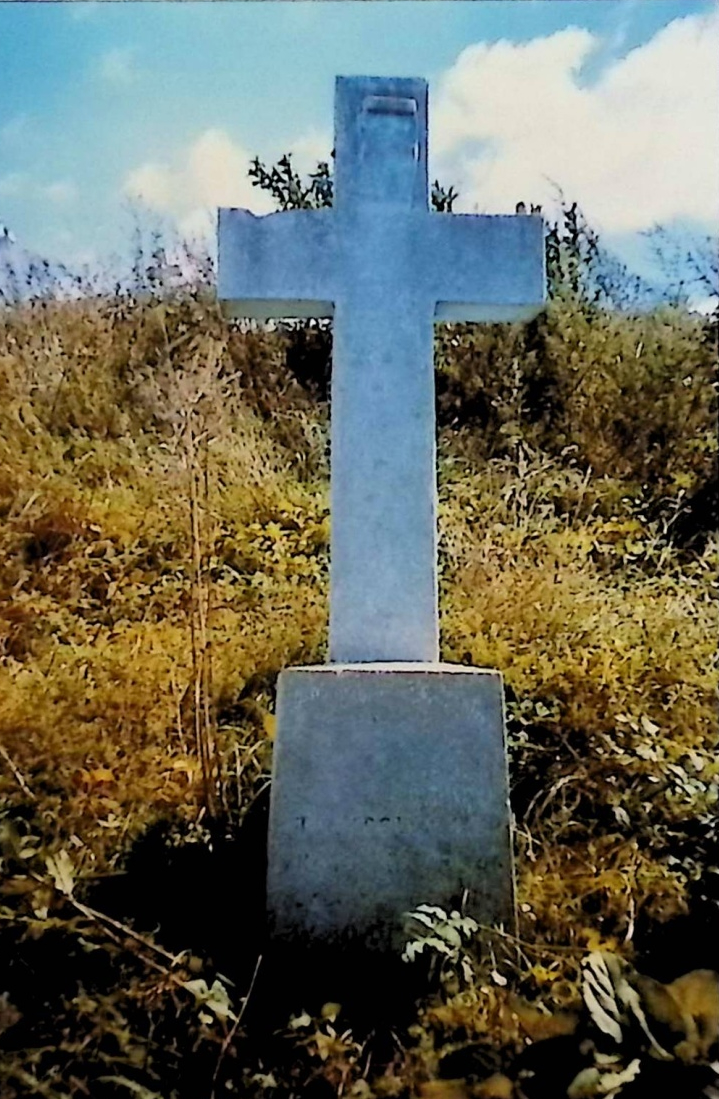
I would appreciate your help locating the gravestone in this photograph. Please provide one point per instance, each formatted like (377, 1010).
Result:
(389, 775)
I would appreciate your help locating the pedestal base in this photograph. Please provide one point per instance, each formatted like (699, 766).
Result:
(389, 790)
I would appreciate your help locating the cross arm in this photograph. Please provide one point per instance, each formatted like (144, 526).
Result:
(280, 265)
(486, 268)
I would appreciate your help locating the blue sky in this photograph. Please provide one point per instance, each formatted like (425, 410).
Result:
(614, 100)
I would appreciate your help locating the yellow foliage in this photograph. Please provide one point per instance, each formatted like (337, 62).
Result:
(497, 1086)
(689, 1006)
(164, 554)
(443, 1089)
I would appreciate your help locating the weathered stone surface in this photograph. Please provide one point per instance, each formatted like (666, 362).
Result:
(385, 268)
(390, 790)
(390, 779)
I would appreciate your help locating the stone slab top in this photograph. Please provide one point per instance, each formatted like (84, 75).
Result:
(392, 667)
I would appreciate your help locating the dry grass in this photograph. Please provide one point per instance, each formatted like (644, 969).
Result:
(163, 555)
(129, 556)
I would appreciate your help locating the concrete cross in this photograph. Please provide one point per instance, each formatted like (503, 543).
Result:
(385, 269)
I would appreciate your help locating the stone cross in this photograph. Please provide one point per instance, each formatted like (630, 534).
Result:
(385, 269)
(389, 784)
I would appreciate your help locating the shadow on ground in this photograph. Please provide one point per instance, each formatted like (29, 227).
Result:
(209, 899)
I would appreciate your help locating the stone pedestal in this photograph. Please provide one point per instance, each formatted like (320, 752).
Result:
(389, 790)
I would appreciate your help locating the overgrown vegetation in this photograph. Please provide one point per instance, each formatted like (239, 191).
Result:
(163, 555)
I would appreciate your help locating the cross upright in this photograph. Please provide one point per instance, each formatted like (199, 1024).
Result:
(385, 268)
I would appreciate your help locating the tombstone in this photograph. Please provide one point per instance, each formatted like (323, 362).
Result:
(390, 776)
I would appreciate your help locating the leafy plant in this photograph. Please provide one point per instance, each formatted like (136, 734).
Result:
(441, 937)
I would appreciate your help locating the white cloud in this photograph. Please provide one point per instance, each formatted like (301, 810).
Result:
(309, 149)
(151, 184)
(117, 66)
(16, 184)
(212, 172)
(217, 169)
(638, 146)
(61, 192)
(199, 225)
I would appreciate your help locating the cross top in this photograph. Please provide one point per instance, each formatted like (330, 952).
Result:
(385, 268)
(381, 142)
